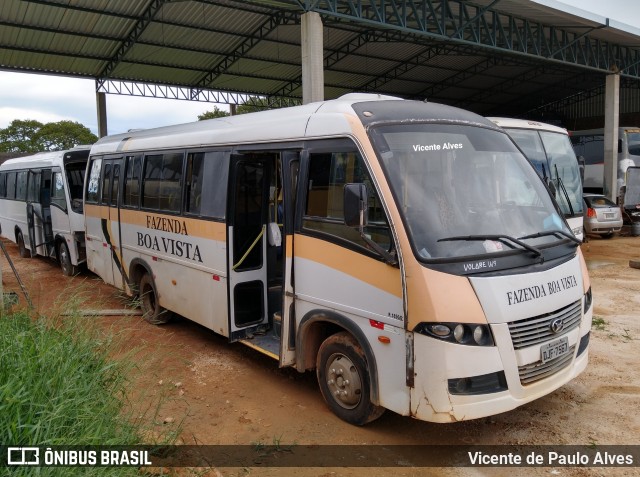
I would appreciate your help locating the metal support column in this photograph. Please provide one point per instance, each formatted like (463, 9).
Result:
(312, 58)
(101, 107)
(611, 117)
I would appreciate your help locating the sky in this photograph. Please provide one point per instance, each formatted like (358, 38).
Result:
(54, 98)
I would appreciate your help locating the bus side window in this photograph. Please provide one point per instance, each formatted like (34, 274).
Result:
(328, 174)
(93, 183)
(106, 183)
(3, 184)
(57, 193)
(206, 184)
(11, 185)
(162, 187)
(132, 181)
(21, 186)
(115, 184)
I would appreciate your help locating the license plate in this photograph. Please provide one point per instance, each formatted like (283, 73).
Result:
(609, 216)
(555, 349)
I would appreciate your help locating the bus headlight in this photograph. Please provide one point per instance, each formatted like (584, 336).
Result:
(460, 333)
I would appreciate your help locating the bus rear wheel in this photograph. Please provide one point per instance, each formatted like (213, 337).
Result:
(68, 268)
(151, 309)
(22, 248)
(343, 377)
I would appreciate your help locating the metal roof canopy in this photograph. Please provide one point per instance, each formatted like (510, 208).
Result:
(494, 57)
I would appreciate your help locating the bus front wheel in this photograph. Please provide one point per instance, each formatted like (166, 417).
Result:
(22, 248)
(343, 376)
(68, 268)
(151, 309)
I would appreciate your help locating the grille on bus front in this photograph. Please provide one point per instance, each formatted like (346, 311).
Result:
(530, 373)
(536, 330)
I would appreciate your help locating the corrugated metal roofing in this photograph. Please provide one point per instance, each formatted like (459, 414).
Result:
(487, 61)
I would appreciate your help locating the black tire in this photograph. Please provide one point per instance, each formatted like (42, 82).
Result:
(68, 268)
(343, 376)
(151, 309)
(22, 249)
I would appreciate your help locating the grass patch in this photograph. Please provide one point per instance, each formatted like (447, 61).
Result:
(59, 386)
(598, 323)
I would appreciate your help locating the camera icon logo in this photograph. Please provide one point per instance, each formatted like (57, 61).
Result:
(23, 456)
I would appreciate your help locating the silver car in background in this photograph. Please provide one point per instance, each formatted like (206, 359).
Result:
(601, 216)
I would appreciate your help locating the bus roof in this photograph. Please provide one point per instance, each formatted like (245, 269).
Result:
(624, 129)
(511, 123)
(321, 119)
(41, 159)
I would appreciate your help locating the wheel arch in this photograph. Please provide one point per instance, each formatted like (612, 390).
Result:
(57, 240)
(315, 327)
(137, 268)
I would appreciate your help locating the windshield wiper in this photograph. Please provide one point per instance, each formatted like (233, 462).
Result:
(552, 232)
(499, 238)
(563, 189)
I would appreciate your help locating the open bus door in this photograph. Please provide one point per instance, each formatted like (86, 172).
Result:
(247, 244)
(290, 170)
(39, 211)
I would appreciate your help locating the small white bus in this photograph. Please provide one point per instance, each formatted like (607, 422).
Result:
(41, 205)
(549, 150)
(405, 251)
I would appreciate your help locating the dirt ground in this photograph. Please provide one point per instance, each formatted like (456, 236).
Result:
(192, 382)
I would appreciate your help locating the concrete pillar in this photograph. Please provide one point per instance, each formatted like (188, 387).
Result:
(233, 109)
(312, 58)
(611, 117)
(101, 107)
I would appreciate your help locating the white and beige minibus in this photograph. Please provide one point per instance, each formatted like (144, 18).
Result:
(41, 205)
(549, 150)
(405, 251)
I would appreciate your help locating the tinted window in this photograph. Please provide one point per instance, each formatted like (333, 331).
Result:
(3, 184)
(115, 183)
(162, 189)
(21, 185)
(106, 182)
(206, 180)
(11, 185)
(33, 193)
(593, 149)
(132, 182)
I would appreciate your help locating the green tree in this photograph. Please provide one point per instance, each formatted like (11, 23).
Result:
(256, 104)
(215, 113)
(21, 136)
(65, 135)
(33, 136)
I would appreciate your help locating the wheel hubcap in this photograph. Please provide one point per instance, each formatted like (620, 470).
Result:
(343, 381)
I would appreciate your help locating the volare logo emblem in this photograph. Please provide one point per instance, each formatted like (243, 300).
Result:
(556, 325)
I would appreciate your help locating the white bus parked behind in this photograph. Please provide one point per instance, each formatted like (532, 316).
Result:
(41, 205)
(549, 150)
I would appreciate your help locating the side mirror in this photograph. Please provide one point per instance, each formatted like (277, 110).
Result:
(355, 205)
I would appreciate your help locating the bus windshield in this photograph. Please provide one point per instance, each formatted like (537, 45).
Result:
(564, 171)
(452, 181)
